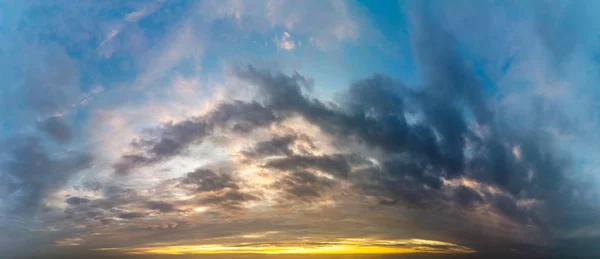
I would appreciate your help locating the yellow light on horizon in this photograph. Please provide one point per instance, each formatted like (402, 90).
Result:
(340, 246)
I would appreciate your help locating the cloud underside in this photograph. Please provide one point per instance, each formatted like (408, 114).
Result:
(439, 148)
(467, 170)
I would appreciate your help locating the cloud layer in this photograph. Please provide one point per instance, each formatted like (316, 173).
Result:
(217, 126)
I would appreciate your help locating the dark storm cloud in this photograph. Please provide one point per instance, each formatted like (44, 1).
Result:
(540, 171)
(161, 206)
(537, 169)
(417, 157)
(420, 154)
(304, 185)
(216, 189)
(378, 120)
(76, 201)
(130, 162)
(446, 74)
(276, 146)
(507, 206)
(336, 165)
(206, 180)
(208, 188)
(102, 210)
(34, 172)
(131, 215)
(242, 117)
(57, 128)
(467, 197)
(176, 137)
(229, 200)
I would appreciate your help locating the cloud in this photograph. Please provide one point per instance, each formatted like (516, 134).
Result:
(448, 157)
(229, 200)
(33, 181)
(131, 215)
(327, 23)
(276, 146)
(467, 197)
(336, 165)
(57, 128)
(304, 185)
(205, 180)
(176, 137)
(285, 42)
(77, 201)
(163, 207)
(420, 156)
(415, 160)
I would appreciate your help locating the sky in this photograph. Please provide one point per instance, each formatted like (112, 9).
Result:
(422, 128)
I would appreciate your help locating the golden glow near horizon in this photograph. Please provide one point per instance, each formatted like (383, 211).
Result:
(339, 246)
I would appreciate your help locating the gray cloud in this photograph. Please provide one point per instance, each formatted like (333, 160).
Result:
(417, 157)
(76, 201)
(304, 185)
(276, 146)
(57, 128)
(35, 172)
(175, 138)
(163, 207)
(229, 200)
(467, 197)
(337, 165)
(206, 180)
(131, 215)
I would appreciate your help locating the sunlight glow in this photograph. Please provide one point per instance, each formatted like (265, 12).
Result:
(339, 246)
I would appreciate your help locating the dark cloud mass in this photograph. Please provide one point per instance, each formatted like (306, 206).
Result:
(57, 128)
(275, 146)
(130, 215)
(418, 157)
(337, 165)
(77, 201)
(304, 185)
(163, 207)
(33, 172)
(175, 138)
(205, 180)
(230, 199)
